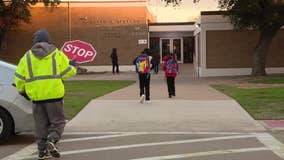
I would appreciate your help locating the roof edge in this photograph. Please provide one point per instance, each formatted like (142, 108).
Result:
(102, 1)
(210, 13)
(171, 23)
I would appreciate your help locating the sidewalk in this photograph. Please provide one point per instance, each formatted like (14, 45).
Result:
(197, 108)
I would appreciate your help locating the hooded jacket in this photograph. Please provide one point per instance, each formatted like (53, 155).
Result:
(41, 70)
(114, 57)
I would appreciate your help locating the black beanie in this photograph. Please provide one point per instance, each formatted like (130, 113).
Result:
(41, 35)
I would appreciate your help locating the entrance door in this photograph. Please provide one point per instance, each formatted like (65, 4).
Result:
(172, 45)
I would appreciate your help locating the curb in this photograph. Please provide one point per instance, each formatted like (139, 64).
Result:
(273, 125)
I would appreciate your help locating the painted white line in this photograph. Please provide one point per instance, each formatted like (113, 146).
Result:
(154, 144)
(165, 133)
(29, 150)
(272, 143)
(98, 137)
(202, 154)
(25, 152)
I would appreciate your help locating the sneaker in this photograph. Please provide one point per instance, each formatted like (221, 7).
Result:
(142, 99)
(148, 101)
(43, 155)
(53, 149)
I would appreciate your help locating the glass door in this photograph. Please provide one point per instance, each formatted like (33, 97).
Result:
(165, 45)
(172, 45)
(177, 50)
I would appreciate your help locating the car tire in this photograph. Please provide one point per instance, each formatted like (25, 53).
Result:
(6, 125)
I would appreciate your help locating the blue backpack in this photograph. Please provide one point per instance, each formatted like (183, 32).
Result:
(171, 66)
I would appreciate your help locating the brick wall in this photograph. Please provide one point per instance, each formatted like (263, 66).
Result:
(234, 49)
(105, 28)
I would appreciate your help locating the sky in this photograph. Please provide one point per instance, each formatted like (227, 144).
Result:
(186, 12)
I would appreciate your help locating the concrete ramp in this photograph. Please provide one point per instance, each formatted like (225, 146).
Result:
(163, 116)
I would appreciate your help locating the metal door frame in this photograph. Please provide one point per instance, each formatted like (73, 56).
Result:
(172, 46)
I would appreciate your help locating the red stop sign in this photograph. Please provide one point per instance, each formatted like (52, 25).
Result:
(82, 51)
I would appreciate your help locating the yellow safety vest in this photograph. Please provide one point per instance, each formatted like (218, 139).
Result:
(41, 79)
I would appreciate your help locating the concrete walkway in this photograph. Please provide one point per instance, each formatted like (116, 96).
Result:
(196, 108)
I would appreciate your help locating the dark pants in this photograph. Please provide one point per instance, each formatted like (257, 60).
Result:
(115, 65)
(171, 86)
(156, 67)
(144, 84)
(49, 122)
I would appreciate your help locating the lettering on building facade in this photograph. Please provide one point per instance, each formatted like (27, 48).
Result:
(105, 21)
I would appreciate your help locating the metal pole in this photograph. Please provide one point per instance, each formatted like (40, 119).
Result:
(69, 22)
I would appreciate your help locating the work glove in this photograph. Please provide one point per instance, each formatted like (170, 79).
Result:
(25, 96)
(73, 62)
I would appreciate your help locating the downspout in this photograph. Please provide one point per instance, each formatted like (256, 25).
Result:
(69, 22)
(197, 46)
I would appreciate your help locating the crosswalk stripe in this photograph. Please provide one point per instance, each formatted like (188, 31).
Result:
(162, 133)
(25, 152)
(99, 137)
(153, 144)
(272, 143)
(203, 154)
(269, 141)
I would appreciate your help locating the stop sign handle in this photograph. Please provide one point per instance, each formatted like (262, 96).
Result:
(73, 61)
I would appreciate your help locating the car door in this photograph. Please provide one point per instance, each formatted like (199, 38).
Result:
(16, 111)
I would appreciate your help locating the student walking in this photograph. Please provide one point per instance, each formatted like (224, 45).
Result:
(114, 60)
(170, 67)
(39, 77)
(143, 69)
(156, 61)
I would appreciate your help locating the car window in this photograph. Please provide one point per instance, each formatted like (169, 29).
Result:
(7, 72)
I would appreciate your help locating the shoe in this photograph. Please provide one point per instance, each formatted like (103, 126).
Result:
(170, 96)
(52, 149)
(142, 99)
(148, 101)
(43, 155)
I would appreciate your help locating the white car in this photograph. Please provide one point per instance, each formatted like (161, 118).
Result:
(15, 111)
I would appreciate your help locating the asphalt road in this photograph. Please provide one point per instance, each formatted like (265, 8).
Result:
(15, 143)
(153, 146)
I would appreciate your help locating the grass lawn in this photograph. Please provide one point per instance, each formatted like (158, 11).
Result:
(262, 104)
(79, 93)
(267, 80)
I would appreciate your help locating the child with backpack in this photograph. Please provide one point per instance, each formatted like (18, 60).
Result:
(143, 67)
(170, 67)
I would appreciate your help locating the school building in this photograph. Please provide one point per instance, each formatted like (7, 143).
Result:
(210, 44)
(222, 51)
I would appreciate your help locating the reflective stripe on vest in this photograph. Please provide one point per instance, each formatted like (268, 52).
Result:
(54, 69)
(42, 77)
(29, 62)
(66, 71)
(20, 76)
